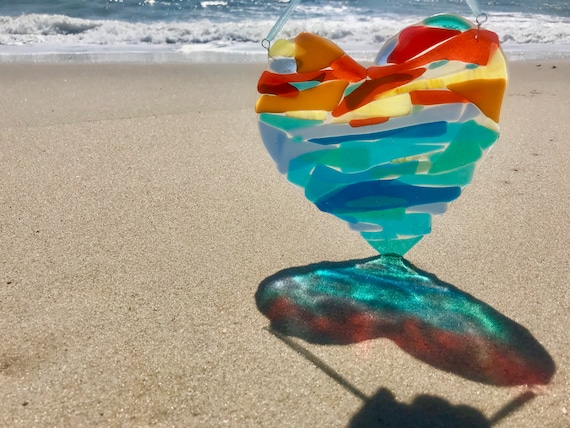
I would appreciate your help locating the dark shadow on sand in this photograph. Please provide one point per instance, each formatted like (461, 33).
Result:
(425, 411)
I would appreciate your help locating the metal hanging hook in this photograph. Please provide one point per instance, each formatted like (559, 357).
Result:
(480, 20)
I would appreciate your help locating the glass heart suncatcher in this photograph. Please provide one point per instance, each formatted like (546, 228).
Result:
(387, 147)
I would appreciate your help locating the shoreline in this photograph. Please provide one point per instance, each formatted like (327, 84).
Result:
(251, 54)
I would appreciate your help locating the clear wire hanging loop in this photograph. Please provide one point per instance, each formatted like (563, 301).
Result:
(480, 19)
(474, 6)
(266, 43)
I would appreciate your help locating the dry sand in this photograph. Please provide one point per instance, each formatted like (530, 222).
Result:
(139, 212)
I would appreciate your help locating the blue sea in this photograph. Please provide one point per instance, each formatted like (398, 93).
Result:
(232, 30)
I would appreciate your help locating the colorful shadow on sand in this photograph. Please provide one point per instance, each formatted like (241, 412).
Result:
(387, 147)
(387, 297)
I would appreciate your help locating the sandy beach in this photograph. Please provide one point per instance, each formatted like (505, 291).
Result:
(139, 212)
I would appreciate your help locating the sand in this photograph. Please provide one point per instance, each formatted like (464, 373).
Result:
(139, 212)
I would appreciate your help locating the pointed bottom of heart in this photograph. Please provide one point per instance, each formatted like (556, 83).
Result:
(388, 297)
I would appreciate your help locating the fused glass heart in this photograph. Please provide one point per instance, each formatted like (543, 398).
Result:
(385, 147)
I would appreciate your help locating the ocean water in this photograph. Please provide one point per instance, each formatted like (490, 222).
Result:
(232, 30)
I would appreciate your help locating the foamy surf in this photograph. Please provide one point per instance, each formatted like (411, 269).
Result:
(220, 27)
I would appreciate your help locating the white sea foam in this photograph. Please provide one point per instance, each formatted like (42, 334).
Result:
(213, 3)
(37, 33)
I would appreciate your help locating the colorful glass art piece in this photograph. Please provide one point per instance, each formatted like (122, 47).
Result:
(385, 296)
(385, 147)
